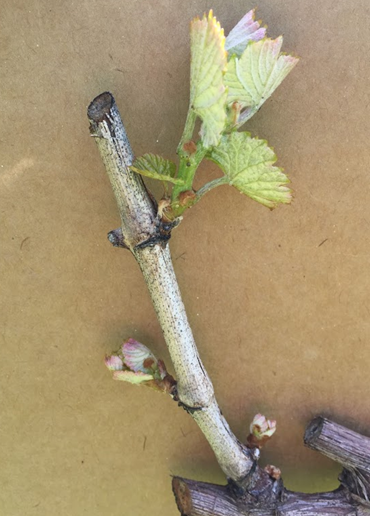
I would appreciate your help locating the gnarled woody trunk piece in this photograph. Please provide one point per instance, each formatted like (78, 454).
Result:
(250, 490)
(202, 499)
(350, 449)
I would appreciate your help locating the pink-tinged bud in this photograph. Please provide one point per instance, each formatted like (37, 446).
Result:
(114, 363)
(135, 363)
(261, 431)
(262, 427)
(138, 357)
(259, 420)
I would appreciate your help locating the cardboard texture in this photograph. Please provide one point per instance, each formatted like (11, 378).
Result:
(278, 301)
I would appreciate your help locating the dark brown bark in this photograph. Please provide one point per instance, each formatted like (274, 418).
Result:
(263, 499)
(202, 499)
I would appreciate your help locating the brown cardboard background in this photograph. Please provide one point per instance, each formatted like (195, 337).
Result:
(282, 322)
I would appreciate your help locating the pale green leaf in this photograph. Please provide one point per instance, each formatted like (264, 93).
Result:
(259, 71)
(156, 167)
(246, 30)
(208, 63)
(132, 377)
(214, 119)
(236, 91)
(248, 165)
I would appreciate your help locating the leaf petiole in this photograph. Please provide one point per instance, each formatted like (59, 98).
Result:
(209, 186)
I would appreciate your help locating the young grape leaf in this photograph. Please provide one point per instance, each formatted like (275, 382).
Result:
(236, 91)
(259, 71)
(246, 30)
(156, 167)
(248, 165)
(208, 63)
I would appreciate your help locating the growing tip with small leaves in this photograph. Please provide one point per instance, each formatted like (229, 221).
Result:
(230, 79)
(136, 364)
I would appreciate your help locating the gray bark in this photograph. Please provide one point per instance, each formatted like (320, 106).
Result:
(337, 442)
(142, 233)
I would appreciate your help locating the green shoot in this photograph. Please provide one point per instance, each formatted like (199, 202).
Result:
(230, 79)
